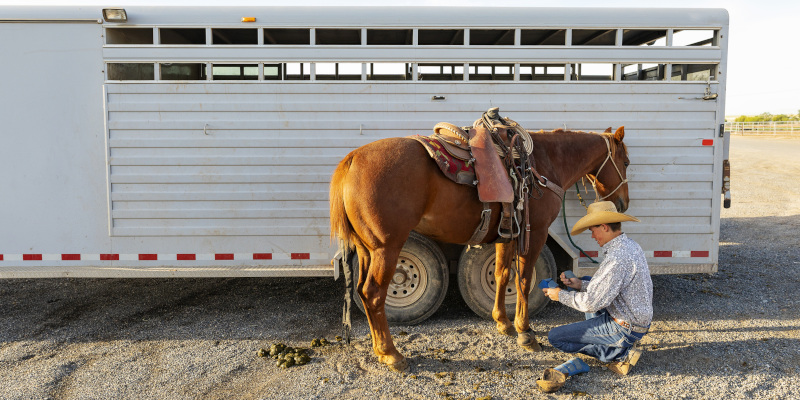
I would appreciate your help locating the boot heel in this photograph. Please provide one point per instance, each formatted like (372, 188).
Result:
(633, 355)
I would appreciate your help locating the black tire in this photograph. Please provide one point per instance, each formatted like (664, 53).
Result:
(477, 286)
(419, 284)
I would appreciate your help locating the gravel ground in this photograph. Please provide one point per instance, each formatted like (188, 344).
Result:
(733, 334)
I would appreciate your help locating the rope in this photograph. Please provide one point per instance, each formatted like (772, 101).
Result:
(594, 181)
(569, 236)
(347, 269)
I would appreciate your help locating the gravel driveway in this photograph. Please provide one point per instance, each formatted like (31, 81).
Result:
(730, 335)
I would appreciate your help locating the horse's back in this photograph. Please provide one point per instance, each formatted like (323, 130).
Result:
(394, 151)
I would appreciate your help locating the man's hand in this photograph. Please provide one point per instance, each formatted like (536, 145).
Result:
(552, 293)
(574, 283)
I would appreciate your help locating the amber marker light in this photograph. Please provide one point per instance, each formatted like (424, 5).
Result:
(248, 19)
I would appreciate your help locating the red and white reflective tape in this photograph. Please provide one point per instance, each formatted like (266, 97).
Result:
(165, 257)
(664, 254)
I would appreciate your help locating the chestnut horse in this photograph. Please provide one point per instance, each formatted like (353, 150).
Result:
(383, 190)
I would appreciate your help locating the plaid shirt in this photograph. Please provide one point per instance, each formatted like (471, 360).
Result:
(621, 285)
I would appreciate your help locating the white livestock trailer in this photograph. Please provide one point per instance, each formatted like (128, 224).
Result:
(199, 142)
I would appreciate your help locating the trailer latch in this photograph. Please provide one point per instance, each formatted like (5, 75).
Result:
(708, 95)
(726, 184)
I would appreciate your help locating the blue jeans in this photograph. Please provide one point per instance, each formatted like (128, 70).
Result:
(598, 336)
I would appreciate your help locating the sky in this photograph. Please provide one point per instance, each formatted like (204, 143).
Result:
(762, 60)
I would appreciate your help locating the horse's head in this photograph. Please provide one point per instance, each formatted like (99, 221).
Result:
(611, 182)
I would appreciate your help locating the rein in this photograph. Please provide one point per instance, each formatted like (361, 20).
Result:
(609, 156)
(566, 228)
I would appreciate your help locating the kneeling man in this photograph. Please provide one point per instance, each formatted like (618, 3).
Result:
(618, 300)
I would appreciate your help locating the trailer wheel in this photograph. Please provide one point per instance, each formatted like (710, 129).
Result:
(419, 284)
(477, 285)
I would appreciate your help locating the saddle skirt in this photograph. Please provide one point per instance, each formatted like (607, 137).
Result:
(494, 185)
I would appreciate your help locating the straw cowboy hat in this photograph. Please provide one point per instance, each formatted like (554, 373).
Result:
(601, 212)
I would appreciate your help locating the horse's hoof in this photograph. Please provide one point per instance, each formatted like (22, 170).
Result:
(508, 330)
(399, 366)
(527, 341)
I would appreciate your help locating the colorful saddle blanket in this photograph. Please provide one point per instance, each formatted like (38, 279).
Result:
(458, 169)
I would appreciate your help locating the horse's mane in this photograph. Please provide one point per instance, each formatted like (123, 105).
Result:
(607, 134)
(562, 130)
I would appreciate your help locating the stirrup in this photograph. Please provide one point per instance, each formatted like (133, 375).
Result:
(505, 229)
(509, 232)
(505, 232)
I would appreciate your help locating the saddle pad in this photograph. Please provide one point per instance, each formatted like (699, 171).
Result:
(493, 183)
(457, 170)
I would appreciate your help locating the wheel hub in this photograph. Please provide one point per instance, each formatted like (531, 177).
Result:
(490, 285)
(408, 283)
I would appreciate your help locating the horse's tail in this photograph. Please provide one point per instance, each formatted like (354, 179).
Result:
(340, 224)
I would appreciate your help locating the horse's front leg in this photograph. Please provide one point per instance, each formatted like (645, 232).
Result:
(373, 286)
(525, 281)
(503, 258)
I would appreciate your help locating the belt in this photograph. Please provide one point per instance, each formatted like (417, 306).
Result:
(634, 328)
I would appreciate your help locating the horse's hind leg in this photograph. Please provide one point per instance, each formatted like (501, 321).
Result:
(503, 259)
(373, 284)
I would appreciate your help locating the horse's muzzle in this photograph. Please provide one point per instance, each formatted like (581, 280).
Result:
(621, 204)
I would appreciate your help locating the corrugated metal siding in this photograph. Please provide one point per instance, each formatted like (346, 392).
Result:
(264, 165)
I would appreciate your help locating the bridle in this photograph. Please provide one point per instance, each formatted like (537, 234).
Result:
(609, 156)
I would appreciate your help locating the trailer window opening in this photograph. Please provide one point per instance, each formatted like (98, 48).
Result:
(338, 36)
(594, 37)
(234, 36)
(273, 72)
(694, 37)
(234, 72)
(190, 36)
(592, 72)
(440, 72)
(543, 37)
(389, 71)
(296, 71)
(491, 72)
(643, 72)
(394, 71)
(183, 71)
(694, 72)
(491, 37)
(129, 36)
(440, 37)
(541, 72)
(390, 37)
(287, 36)
(643, 37)
(131, 71)
(338, 71)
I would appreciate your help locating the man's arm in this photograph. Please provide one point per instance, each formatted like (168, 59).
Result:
(601, 290)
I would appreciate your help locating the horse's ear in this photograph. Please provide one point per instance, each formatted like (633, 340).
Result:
(608, 130)
(619, 134)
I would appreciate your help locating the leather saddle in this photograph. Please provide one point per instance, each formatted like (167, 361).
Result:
(475, 156)
(485, 149)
